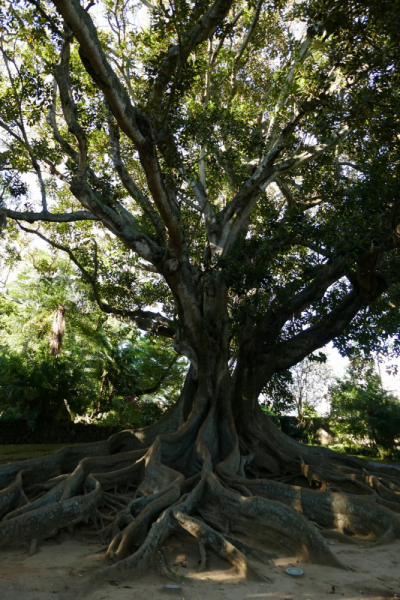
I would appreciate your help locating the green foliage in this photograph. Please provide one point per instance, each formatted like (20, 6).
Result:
(104, 368)
(300, 389)
(131, 413)
(308, 70)
(37, 385)
(364, 410)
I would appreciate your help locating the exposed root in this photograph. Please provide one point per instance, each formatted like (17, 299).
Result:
(218, 543)
(235, 496)
(203, 556)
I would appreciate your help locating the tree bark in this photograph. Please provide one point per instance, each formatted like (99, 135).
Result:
(214, 465)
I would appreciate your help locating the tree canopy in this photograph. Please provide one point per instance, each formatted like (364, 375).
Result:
(223, 174)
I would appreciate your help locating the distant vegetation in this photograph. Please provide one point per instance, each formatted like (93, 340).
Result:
(60, 357)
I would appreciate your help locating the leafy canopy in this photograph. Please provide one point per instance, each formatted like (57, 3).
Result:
(255, 141)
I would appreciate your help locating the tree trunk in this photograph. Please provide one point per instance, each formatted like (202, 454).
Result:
(215, 466)
(57, 331)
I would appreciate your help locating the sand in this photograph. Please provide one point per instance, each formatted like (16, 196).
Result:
(61, 565)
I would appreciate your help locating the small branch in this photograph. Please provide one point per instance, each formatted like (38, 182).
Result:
(194, 35)
(61, 72)
(353, 166)
(154, 388)
(305, 205)
(144, 319)
(20, 124)
(273, 124)
(228, 28)
(243, 47)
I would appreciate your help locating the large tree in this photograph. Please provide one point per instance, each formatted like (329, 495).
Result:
(236, 163)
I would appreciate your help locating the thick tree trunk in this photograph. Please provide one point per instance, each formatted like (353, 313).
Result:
(214, 467)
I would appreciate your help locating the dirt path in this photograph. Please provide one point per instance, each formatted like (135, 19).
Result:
(61, 565)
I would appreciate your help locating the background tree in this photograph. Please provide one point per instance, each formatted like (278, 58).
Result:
(363, 409)
(237, 165)
(310, 380)
(303, 388)
(103, 367)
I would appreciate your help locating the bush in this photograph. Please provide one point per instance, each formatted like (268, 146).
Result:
(365, 411)
(10, 414)
(37, 386)
(131, 413)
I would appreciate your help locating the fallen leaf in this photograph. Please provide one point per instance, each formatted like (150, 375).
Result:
(66, 587)
(72, 573)
(113, 582)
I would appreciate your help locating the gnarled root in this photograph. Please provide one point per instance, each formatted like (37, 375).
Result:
(238, 497)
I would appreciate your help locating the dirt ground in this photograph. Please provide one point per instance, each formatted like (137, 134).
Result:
(61, 565)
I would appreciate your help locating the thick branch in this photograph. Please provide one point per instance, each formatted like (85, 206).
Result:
(118, 220)
(127, 181)
(135, 124)
(288, 353)
(32, 217)
(323, 276)
(237, 213)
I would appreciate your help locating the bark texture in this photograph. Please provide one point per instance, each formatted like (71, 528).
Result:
(214, 467)
(232, 484)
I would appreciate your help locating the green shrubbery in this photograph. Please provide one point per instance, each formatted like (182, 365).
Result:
(104, 371)
(365, 416)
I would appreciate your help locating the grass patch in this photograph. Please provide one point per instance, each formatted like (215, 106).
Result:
(357, 454)
(17, 452)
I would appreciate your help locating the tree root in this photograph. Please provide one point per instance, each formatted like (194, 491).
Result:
(186, 481)
(209, 537)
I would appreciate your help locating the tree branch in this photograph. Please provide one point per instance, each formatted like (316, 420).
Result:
(135, 124)
(144, 319)
(158, 384)
(305, 205)
(127, 181)
(32, 217)
(322, 277)
(61, 72)
(237, 213)
(368, 287)
(193, 36)
(243, 47)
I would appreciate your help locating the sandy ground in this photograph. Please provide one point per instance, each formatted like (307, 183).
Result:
(61, 566)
